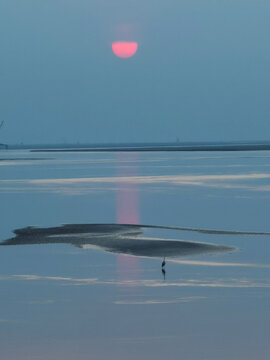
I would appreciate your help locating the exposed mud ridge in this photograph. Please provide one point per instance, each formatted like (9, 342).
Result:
(117, 238)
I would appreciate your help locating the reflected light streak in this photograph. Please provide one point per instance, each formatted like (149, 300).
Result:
(128, 192)
(127, 204)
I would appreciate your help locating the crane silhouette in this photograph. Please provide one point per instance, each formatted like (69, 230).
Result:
(163, 267)
(163, 263)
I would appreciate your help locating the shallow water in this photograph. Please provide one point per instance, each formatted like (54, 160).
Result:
(63, 302)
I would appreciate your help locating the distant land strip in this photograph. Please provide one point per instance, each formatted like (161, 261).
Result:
(159, 148)
(145, 147)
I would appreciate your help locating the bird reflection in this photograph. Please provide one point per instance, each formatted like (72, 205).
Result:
(163, 273)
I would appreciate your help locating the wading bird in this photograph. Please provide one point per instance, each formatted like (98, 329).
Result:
(163, 263)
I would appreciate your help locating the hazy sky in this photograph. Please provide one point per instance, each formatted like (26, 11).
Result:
(201, 71)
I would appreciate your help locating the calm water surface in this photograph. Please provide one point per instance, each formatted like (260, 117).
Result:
(61, 301)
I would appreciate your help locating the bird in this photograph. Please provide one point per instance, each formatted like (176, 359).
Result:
(163, 263)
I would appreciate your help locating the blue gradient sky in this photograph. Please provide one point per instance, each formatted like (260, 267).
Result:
(201, 71)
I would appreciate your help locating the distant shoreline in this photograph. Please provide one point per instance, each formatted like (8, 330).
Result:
(146, 147)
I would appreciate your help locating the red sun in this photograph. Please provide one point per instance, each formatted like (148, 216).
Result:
(124, 49)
